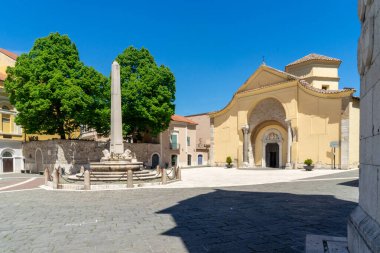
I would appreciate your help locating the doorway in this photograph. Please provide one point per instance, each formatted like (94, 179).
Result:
(155, 161)
(272, 155)
(7, 162)
(200, 159)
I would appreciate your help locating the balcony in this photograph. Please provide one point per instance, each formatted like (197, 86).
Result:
(174, 146)
(203, 146)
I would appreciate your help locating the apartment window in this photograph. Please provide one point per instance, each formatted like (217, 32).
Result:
(174, 160)
(174, 141)
(325, 87)
(188, 141)
(189, 160)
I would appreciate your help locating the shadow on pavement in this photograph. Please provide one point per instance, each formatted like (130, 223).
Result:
(238, 221)
(352, 183)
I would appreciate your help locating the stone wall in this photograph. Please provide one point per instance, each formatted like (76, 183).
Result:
(72, 154)
(364, 221)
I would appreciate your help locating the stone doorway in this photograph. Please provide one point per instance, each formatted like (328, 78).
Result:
(155, 160)
(7, 162)
(272, 155)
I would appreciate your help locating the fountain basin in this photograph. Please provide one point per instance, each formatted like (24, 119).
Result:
(115, 166)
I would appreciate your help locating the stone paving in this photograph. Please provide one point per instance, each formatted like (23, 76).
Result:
(259, 218)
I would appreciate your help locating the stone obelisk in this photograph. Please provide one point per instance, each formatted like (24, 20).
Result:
(117, 146)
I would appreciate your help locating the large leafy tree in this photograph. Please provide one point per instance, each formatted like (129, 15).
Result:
(148, 92)
(54, 92)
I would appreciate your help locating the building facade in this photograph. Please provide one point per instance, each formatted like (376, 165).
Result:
(180, 146)
(11, 158)
(281, 118)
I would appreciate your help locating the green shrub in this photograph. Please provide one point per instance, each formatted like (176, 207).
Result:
(228, 160)
(308, 162)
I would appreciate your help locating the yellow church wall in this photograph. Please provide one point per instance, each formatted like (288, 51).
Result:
(226, 136)
(332, 85)
(325, 71)
(354, 132)
(319, 124)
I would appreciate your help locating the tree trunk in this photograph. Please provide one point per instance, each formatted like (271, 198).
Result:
(61, 132)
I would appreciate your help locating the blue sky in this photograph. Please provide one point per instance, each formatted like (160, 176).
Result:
(212, 47)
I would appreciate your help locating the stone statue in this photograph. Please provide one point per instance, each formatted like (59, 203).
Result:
(106, 155)
(127, 154)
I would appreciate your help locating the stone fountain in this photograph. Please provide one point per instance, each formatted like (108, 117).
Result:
(116, 159)
(116, 164)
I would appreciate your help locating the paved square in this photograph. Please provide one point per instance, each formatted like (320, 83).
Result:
(272, 217)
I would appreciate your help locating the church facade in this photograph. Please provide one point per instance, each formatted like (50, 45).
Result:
(281, 118)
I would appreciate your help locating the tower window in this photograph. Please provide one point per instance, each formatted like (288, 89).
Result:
(325, 87)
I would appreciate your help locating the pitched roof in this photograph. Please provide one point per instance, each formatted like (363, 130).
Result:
(314, 57)
(179, 118)
(9, 54)
(310, 87)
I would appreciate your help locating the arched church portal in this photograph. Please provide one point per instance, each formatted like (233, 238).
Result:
(272, 149)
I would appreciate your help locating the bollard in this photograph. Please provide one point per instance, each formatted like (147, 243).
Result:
(87, 181)
(158, 169)
(130, 179)
(55, 179)
(164, 176)
(81, 171)
(47, 175)
(178, 173)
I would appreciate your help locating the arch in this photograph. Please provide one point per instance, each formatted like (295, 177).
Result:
(268, 109)
(39, 161)
(155, 158)
(200, 159)
(272, 143)
(7, 159)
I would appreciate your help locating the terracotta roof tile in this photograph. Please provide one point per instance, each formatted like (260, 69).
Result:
(179, 118)
(310, 87)
(9, 54)
(314, 57)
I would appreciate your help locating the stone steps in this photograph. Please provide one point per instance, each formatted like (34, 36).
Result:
(117, 176)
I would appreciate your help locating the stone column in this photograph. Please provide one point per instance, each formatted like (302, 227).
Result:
(251, 157)
(212, 146)
(289, 149)
(87, 180)
(364, 222)
(245, 130)
(117, 146)
(130, 178)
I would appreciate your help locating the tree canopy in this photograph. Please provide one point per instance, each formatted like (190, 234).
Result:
(148, 92)
(54, 92)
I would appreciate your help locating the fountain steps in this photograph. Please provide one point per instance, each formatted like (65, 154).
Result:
(116, 176)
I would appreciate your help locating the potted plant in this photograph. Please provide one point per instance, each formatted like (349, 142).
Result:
(308, 164)
(229, 162)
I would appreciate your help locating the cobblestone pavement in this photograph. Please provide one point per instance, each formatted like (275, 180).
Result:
(260, 218)
(20, 181)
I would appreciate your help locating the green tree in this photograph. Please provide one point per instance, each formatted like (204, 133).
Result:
(54, 92)
(148, 93)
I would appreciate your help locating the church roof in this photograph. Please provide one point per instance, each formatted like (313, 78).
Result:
(180, 118)
(314, 57)
(8, 53)
(311, 87)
